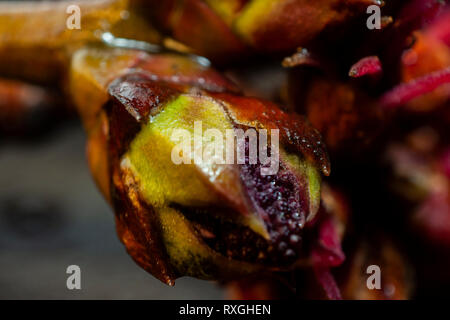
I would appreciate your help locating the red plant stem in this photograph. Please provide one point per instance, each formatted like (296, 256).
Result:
(405, 92)
(366, 66)
(445, 162)
(326, 280)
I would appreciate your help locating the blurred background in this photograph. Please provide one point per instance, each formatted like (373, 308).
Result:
(52, 216)
(389, 192)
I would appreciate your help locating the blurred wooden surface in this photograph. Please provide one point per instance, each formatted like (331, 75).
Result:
(52, 216)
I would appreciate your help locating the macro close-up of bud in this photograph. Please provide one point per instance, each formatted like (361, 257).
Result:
(237, 149)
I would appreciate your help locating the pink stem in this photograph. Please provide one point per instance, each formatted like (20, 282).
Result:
(405, 92)
(326, 279)
(366, 66)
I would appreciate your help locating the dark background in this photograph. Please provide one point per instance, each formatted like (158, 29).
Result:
(52, 216)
